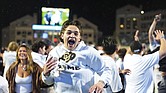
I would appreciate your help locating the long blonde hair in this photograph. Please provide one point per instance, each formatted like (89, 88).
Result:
(12, 46)
(29, 59)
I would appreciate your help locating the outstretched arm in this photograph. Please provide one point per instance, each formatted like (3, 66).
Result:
(161, 36)
(152, 28)
(136, 38)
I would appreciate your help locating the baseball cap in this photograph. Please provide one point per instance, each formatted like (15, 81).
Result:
(136, 47)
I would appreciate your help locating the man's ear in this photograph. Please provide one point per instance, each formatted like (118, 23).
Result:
(40, 50)
(61, 36)
(80, 39)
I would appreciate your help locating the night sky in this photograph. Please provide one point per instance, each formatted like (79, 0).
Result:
(99, 12)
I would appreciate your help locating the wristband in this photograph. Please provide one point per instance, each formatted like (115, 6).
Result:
(102, 81)
(105, 85)
(162, 37)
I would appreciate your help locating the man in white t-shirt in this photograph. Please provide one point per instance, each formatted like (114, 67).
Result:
(139, 80)
(109, 48)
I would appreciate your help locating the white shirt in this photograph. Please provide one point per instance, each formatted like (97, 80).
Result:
(78, 81)
(156, 73)
(8, 59)
(153, 45)
(39, 58)
(140, 79)
(115, 84)
(23, 85)
(119, 64)
(3, 85)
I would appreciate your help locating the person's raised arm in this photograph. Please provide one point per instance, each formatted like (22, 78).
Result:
(136, 38)
(162, 50)
(152, 28)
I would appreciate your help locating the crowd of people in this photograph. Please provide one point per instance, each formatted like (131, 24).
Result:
(74, 67)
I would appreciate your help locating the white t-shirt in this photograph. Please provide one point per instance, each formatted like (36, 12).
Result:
(119, 64)
(39, 58)
(115, 81)
(140, 79)
(3, 85)
(8, 59)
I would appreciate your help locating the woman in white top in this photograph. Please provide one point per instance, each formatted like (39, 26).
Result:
(23, 75)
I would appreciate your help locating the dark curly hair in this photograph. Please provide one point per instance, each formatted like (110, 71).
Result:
(109, 45)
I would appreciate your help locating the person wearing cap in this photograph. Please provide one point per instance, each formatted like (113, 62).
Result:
(139, 80)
